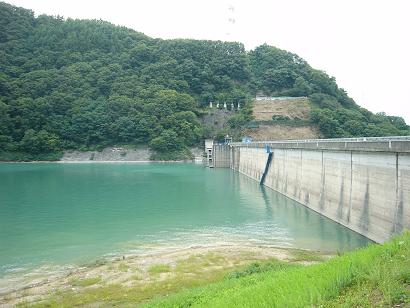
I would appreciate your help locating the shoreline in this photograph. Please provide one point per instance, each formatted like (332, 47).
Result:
(126, 154)
(122, 269)
(100, 162)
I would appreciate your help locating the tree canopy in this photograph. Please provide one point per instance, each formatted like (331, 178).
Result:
(68, 83)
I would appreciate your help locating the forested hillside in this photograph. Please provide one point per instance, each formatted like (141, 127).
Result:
(78, 84)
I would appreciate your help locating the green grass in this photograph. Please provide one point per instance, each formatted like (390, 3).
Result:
(376, 275)
(123, 267)
(305, 255)
(159, 268)
(260, 267)
(108, 295)
(197, 263)
(85, 282)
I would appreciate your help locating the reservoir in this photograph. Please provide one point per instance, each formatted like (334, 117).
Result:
(55, 214)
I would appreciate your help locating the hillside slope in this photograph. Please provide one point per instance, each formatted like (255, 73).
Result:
(86, 84)
(288, 107)
(282, 118)
(280, 132)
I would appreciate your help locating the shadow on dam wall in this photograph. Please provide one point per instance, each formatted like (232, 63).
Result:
(365, 187)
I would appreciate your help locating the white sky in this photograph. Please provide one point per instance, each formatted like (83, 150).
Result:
(364, 44)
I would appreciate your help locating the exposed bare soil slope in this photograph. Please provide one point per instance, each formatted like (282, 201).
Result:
(293, 108)
(280, 132)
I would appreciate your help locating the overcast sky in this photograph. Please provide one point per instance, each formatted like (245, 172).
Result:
(364, 44)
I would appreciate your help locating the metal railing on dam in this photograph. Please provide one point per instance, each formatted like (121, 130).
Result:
(361, 183)
(389, 144)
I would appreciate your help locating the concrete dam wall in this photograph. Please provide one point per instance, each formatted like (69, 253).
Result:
(364, 186)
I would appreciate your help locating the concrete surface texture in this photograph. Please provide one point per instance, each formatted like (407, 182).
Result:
(366, 191)
(221, 156)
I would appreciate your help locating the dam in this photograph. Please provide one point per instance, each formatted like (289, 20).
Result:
(361, 183)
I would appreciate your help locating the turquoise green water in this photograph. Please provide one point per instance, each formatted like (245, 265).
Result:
(75, 213)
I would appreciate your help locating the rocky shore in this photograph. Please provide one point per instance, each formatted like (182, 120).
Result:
(125, 154)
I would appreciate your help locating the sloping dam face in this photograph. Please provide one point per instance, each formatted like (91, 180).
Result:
(363, 187)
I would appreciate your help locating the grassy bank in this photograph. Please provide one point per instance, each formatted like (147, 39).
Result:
(136, 280)
(375, 276)
(378, 275)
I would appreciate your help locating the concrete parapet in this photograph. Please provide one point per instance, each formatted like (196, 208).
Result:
(391, 144)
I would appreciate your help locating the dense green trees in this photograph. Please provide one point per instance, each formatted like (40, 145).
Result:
(39, 142)
(342, 122)
(278, 72)
(81, 83)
